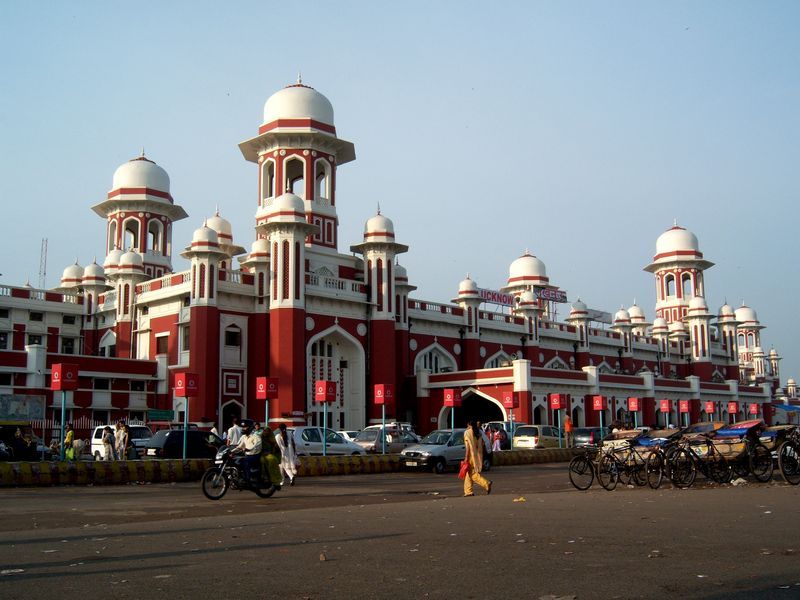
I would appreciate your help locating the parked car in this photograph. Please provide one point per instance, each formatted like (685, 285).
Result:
(139, 435)
(440, 450)
(350, 436)
(33, 448)
(508, 427)
(168, 443)
(308, 442)
(585, 436)
(372, 439)
(536, 436)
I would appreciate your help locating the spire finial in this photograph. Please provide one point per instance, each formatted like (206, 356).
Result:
(674, 222)
(142, 154)
(216, 212)
(379, 208)
(299, 78)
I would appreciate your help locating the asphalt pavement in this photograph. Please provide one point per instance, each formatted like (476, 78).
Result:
(402, 535)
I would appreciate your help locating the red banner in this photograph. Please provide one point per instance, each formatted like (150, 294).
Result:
(683, 406)
(324, 391)
(384, 393)
(733, 407)
(633, 404)
(558, 401)
(64, 377)
(599, 402)
(754, 409)
(510, 400)
(664, 405)
(452, 397)
(266, 388)
(186, 385)
(710, 408)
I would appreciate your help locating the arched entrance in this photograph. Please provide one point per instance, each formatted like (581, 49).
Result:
(334, 355)
(229, 411)
(577, 417)
(539, 415)
(476, 406)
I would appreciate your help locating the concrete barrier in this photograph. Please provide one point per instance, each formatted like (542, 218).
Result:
(164, 471)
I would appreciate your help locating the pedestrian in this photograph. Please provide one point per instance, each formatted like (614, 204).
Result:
(121, 441)
(234, 433)
(474, 459)
(495, 439)
(270, 458)
(69, 438)
(568, 431)
(288, 454)
(108, 443)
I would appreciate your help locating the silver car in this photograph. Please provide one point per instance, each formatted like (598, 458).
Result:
(438, 451)
(308, 442)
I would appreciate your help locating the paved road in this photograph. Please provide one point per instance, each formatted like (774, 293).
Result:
(403, 536)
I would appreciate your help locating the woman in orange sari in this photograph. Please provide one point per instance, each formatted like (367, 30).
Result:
(473, 440)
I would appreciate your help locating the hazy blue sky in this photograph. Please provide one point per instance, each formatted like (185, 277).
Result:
(578, 130)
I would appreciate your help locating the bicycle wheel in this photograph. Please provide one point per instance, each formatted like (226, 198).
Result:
(608, 472)
(639, 473)
(719, 469)
(655, 469)
(581, 472)
(682, 470)
(789, 462)
(761, 463)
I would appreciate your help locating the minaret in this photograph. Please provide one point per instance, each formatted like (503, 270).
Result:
(285, 228)
(469, 300)
(297, 151)
(402, 323)
(93, 284)
(727, 325)
(660, 332)
(129, 272)
(379, 250)
(205, 255)
(139, 212)
(622, 325)
(748, 338)
(678, 267)
(580, 319)
(697, 320)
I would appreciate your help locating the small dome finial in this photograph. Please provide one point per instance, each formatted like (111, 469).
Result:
(216, 211)
(299, 78)
(674, 222)
(379, 208)
(142, 154)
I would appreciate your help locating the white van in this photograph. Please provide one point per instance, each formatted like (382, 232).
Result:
(139, 436)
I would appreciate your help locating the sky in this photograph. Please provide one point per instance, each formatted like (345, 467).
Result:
(579, 131)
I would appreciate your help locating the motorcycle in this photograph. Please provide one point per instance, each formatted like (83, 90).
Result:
(228, 472)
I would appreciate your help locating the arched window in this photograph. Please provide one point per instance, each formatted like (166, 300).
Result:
(322, 179)
(741, 340)
(686, 285)
(267, 179)
(112, 235)
(155, 237)
(233, 342)
(434, 360)
(294, 169)
(130, 235)
(669, 284)
(501, 359)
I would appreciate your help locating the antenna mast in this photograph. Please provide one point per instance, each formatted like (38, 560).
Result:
(43, 264)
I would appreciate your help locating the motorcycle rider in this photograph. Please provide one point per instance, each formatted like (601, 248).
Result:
(250, 444)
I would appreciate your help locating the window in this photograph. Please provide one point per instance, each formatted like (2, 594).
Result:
(4, 312)
(101, 384)
(185, 338)
(68, 320)
(67, 345)
(670, 285)
(162, 344)
(34, 340)
(311, 435)
(137, 386)
(686, 284)
(4, 340)
(233, 336)
(295, 179)
(37, 316)
(100, 416)
(5, 379)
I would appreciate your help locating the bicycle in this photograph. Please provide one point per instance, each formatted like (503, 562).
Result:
(625, 464)
(789, 457)
(582, 468)
(685, 461)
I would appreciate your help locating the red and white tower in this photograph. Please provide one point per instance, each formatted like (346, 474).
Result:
(678, 268)
(379, 250)
(697, 320)
(727, 325)
(297, 151)
(748, 338)
(139, 211)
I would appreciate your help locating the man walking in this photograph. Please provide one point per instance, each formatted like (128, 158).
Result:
(234, 433)
(568, 431)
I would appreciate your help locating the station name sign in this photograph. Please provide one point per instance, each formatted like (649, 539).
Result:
(496, 297)
(551, 294)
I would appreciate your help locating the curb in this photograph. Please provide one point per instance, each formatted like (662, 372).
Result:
(17, 474)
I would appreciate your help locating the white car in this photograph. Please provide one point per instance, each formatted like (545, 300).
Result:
(350, 436)
(308, 442)
(139, 435)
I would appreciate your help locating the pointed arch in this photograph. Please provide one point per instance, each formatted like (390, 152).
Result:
(435, 359)
(556, 363)
(496, 359)
(604, 367)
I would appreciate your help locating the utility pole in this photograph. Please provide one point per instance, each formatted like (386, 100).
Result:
(43, 264)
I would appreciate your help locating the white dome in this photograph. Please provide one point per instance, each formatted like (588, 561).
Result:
(130, 259)
(379, 225)
(773, 353)
(112, 259)
(72, 273)
(746, 315)
(260, 246)
(205, 235)
(526, 266)
(221, 226)
(677, 326)
(659, 324)
(400, 272)
(726, 311)
(288, 202)
(622, 316)
(467, 286)
(791, 381)
(141, 173)
(698, 303)
(298, 102)
(677, 239)
(579, 306)
(636, 313)
(93, 272)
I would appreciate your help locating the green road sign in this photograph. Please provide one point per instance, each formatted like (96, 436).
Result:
(160, 415)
